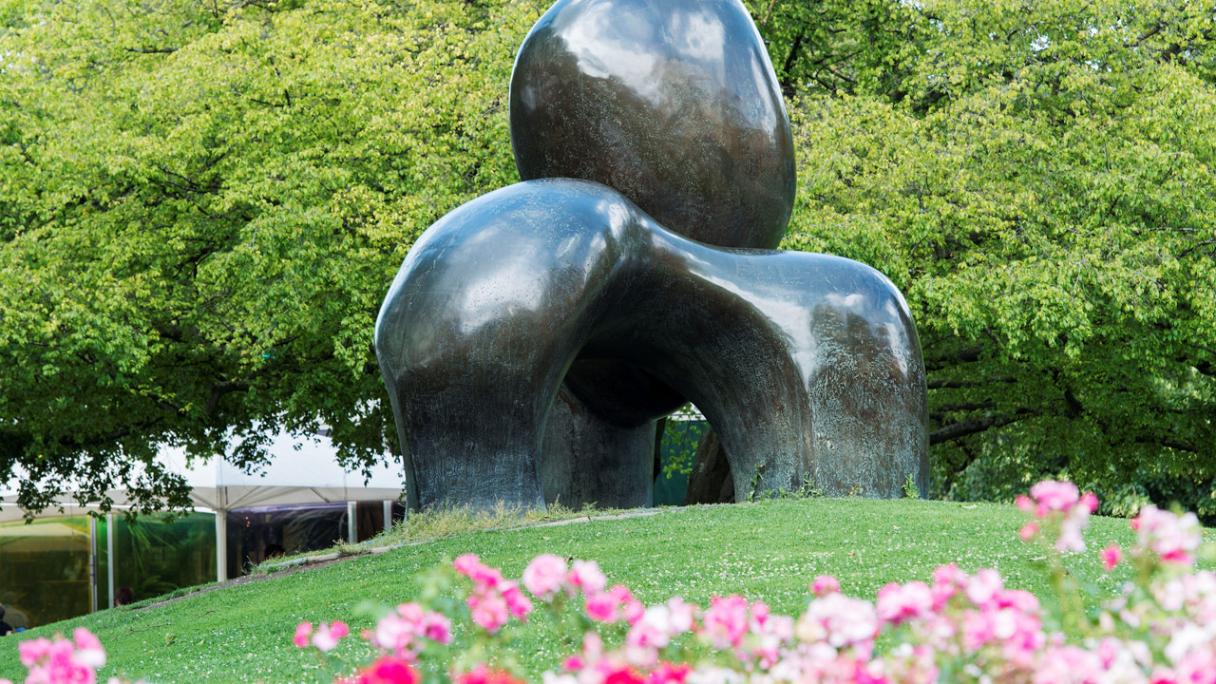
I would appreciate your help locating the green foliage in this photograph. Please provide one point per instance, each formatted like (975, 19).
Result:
(202, 204)
(910, 490)
(682, 433)
(201, 207)
(1038, 180)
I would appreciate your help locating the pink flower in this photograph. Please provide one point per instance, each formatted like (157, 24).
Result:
(33, 650)
(396, 631)
(489, 610)
(631, 608)
(824, 585)
(482, 575)
(517, 603)
(726, 621)
(1111, 556)
(436, 627)
(1090, 502)
(618, 673)
(1069, 664)
(1029, 530)
(1071, 529)
(59, 661)
(983, 586)
(328, 636)
(303, 631)
(88, 648)
(839, 621)
(1173, 538)
(587, 576)
(681, 615)
(948, 580)
(602, 607)
(899, 603)
(388, 670)
(645, 638)
(1054, 496)
(545, 576)
(669, 673)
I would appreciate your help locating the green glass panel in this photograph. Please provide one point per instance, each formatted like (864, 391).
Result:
(156, 555)
(44, 571)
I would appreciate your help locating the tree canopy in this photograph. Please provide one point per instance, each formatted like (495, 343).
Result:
(203, 203)
(1038, 179)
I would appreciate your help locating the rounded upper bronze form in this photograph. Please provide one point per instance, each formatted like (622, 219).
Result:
(673, 103)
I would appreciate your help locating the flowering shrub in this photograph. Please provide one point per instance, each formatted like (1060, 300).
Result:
(62, 661)
(954, 627)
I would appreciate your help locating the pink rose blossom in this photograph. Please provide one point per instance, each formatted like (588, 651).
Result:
(436, 627)
(388, 670)
(681, 615)
(840, 622)
(824, 585)
(898, 603)
(1090, 502)
(587, 576)
(1173, 538)
(482, 575)
(1111, 556)
(328, 636)
(489, 610)
(631, 608)
(726, 621)
(88, 648)
(602, 607)
(60, 661)
(303, 631)
(545, 576)
(517, 603)
(1054, 496)
(948, 581)
(983, 586)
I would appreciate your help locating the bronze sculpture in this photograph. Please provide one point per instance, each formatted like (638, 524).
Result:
(534, 335)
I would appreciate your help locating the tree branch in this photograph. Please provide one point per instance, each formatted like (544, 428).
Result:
(967, 428)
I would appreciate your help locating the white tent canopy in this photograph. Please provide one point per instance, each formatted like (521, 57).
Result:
(300, 471)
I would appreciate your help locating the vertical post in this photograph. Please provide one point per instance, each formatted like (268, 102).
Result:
(221, 545)
(388, 515)
(111, 561)
(94, 578)
(352, 522)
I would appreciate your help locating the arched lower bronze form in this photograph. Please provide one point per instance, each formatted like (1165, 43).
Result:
(807, 365)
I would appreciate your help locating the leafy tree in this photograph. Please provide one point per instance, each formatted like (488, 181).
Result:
(202, 204)
(1038, 179)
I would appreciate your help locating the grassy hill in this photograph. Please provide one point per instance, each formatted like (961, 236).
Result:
(769, 550)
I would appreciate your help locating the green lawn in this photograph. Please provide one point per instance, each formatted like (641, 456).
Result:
(768, 550)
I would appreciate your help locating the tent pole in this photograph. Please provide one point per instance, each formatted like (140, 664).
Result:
(221, 546)
(352, 523)
(111, 561)
(94, 580)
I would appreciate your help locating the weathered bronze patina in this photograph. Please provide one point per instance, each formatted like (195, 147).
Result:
(807, 365)
(533, 336)
(671, 102)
